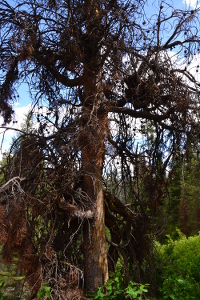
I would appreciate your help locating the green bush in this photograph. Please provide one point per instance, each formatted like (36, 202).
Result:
(45, 291)
(113, 289)
(180, 263)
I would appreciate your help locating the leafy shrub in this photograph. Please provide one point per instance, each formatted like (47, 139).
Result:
(115, 290)
(45, 291)
(134, 290)
(180, 261)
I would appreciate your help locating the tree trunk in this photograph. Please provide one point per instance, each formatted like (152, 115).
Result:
(95, 254)
(93, 134)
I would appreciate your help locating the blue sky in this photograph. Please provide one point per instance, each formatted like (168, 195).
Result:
(23, 105)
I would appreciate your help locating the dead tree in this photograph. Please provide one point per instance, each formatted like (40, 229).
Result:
(111, 89)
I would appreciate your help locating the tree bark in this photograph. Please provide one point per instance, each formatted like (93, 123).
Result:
(93, 135)
(95, 254)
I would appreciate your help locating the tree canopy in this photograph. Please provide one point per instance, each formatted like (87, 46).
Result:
(114, 101)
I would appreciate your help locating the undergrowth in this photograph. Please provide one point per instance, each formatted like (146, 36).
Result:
(114, 289)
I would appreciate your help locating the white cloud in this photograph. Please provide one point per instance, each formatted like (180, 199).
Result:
(6, 135)
(194, 67)
(191, 3)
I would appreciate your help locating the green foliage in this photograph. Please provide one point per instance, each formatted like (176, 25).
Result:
(114, 289)
(2, 296)
(179, 288)
(135, 290)
(180, 261)
(45, 291)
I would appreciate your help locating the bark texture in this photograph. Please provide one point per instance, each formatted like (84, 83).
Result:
(93, 134)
